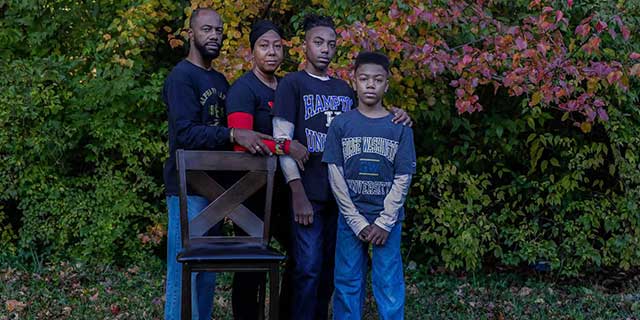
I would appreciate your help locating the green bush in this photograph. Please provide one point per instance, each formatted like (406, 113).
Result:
(528, 188)
(83, 135)
(83, 124)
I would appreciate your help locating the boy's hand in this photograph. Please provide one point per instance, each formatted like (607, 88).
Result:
(302, 209)
(299, 153)
(377, 235)
(364, 233)
(401, 116)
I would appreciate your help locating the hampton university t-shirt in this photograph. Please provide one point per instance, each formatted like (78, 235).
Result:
(371, 151)
(311, 104)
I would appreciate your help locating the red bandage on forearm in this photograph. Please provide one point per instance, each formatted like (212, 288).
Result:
(240, 120)
(244, 120)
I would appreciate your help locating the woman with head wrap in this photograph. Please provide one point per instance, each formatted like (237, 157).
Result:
(249, 103)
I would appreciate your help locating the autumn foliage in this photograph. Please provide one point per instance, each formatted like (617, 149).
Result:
(526, 112)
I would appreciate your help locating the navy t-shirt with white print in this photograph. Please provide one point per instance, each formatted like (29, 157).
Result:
(371, 151)
(312, 104)
(195, 100)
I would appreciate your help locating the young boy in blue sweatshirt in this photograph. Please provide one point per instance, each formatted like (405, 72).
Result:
(371, 161)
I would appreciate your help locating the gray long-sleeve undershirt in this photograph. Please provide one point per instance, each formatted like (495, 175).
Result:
(284, 129)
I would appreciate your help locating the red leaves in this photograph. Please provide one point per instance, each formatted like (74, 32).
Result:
(394, 13)
(534, 58)
(614, 77)
(592, 45)
(601, 25)
(521, 43)
(625, 32)
(583, 29)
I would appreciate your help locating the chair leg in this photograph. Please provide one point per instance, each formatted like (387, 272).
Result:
(261, 296)
(274, 292)
(185, 304)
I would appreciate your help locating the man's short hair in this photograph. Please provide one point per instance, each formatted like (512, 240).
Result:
(312, 20)
(196, 12)
(368, 57)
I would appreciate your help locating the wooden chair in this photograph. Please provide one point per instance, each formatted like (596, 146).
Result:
(227, 253)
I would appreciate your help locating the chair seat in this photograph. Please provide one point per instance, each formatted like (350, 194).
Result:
(229, 252)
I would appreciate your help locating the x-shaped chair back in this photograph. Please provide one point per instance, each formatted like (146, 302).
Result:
(192, 166)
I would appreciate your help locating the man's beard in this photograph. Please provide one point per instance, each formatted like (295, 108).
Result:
(206, 53)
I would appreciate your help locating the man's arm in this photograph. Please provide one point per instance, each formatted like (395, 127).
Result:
(356, 221)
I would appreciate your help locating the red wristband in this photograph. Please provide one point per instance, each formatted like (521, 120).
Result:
(287, 144)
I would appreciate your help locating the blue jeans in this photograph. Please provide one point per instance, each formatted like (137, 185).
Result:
(351, 275)
(202, 283)
(313, 250)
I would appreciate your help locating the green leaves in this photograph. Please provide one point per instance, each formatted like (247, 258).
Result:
(83, 133)
(83, 125)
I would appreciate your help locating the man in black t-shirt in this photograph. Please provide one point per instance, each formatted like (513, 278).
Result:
(195, 95)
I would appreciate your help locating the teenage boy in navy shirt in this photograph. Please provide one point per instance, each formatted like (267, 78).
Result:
(305, 104)
(371, 161)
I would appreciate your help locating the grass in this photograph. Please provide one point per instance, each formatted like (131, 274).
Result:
(75, 291)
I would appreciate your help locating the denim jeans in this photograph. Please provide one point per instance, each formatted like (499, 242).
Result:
(202, 283)
(351, 275)
(313, 250)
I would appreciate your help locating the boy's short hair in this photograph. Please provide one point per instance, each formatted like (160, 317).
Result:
(368, 57)
(312, 20)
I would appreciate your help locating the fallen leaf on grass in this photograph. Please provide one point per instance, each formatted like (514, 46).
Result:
(14, 305)
(115, 309)
(66, 310)
(413, 289)
(524, 291)
(134, 270)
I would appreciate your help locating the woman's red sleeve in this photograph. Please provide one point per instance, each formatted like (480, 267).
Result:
(244, 120)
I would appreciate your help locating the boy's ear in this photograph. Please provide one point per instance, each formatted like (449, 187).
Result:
(386, 86)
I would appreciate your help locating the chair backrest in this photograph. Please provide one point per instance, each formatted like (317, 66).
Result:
(192, 166)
